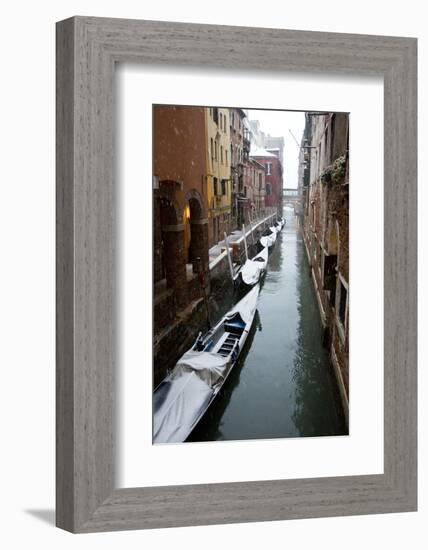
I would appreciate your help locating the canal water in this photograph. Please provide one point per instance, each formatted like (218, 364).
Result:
(283, 384)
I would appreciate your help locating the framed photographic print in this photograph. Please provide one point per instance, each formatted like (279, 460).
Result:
(233, 262)
(236, 274)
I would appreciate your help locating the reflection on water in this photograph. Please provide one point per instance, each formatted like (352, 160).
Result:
(282, 385)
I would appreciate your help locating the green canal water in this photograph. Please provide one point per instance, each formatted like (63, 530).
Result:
(282, 385)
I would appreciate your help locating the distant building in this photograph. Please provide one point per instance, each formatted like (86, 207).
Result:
(324, 187)
(265, 144)
(273, 176)
(239, 145)
(219, 180)
(253, 191)
(259, 188)
(275, 145)
(257, 135)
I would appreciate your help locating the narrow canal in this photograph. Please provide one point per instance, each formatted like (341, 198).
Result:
(283, 385)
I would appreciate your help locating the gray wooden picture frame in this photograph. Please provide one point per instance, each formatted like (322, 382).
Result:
(87, 50)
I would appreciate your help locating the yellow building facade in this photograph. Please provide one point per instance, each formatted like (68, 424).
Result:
(218, 173)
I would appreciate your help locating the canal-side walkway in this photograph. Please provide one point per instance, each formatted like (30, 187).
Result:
(235, 239)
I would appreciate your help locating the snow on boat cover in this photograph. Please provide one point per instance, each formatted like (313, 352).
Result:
(252, 269)
(268, 240)
(181, 399)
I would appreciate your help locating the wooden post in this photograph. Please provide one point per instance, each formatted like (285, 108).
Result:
(228, 257)
(252, 233)
(245, 242)
(202, 283)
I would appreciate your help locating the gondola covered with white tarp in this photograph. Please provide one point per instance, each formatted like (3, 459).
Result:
(279, 225)
(181, 400)
(253, 269)
(268, 241)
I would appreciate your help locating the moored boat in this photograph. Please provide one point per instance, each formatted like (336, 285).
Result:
(268, 240)
(253, 269)
(180, 401)
(279, 225)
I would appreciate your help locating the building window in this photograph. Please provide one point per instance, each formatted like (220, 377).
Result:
(260, 182)
(215, 114)
(329, 275)
(216, 150)
(342, 303)
(221, 121)
(215, 184)
(268, 189)
(212, 148)
(225, 152)
(223, 187)
(225, 123)
(269, 168)
(221, 154)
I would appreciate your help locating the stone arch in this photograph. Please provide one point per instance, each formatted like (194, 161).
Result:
(166, 193)
(168, 242)
(196, 224)
(194, 199)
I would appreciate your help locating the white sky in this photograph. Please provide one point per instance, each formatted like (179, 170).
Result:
(278, 123)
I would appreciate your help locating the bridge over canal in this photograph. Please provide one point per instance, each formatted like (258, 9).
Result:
(291, 197)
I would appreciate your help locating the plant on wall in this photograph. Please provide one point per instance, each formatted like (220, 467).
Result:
(335, 172)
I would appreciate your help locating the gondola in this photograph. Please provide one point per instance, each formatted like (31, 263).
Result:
(268, 241)
(181, 400)
(279, 225)
(253, 269)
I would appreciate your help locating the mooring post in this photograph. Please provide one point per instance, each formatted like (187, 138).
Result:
(228, 257)
(251, 230)
(202, 283)
(245, 242)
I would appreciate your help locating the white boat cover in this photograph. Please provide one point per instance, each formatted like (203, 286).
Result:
(177, 406)
(264, 241)
(247, 306)
(268, 240)
(252, 270)
(273, 234)
(181, 399)
(263, 254)
(209, 367)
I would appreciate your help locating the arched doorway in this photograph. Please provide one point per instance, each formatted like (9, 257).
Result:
(196, 238)
(164, 215)
(168, 247)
